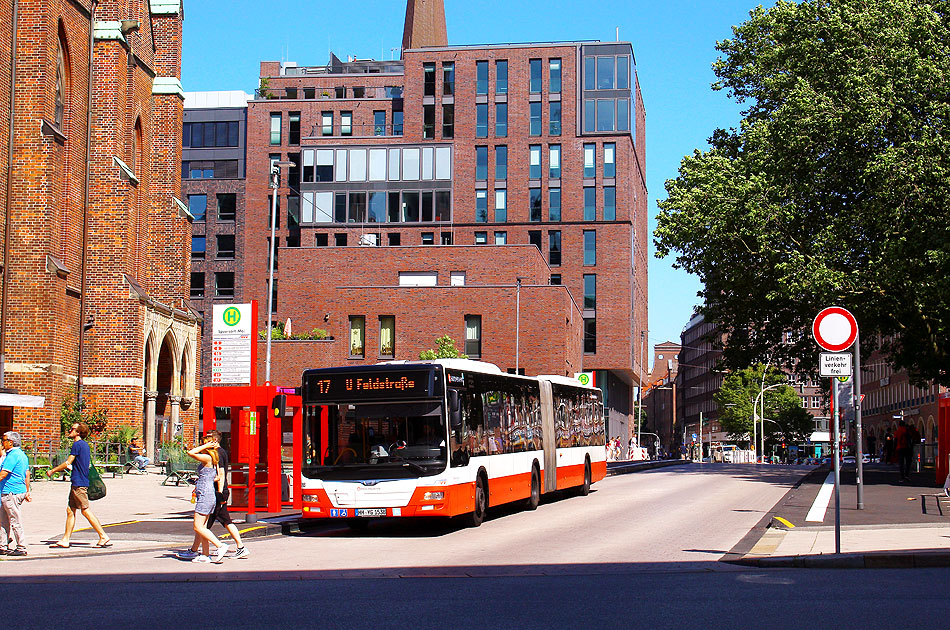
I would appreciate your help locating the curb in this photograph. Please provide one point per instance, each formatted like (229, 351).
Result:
(632, 467)
(906, 560)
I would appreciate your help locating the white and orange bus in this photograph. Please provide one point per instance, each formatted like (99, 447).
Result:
(443, 438)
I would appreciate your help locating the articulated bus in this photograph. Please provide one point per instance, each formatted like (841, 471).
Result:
(444, 438)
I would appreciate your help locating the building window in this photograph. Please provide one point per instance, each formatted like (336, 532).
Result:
(554, 123)
(590, 248)
(321, 239)
(605, 114)
(448, 78)
(554, 162)
(275, 128)
(554, 204)
(326, 124)
(457, 279)
(501, 205)
(428, 121)
(473, 335)
(203, 135)
(610, 159)
(446, 238)
(339, 239)
(481, 238)
(590, 291)
(227, 206)
(428, 238)
(501, 163)
(293, 128)
(443, 207)
(590, 335)
(394, 239)
(815, 402)
(346, 123)
(534, 161)
(590, 161)
(481, 206)
(590, 115)
(379, 123)
(481, 120)
(610, 203)
(554, 247)
(534, 204)
(387, 336)
(448, 121)
(59, 100)
(197, 285)
(224, 284)
(501, 76)
(418, 278)
(224, 245)
(555, 279)
(534, 238)
(554, 78)
(357, 336)
(481, 164)
(198, 247)
(535, 82)
(535, 129)
(397, 122)
(501, 120)
(198, 206)
(590, 203)
(501, 238)
(481, 77)
(428, 79)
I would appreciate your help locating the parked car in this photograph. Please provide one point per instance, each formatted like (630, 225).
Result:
(849, 460)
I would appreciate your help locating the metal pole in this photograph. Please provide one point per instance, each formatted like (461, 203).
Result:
(518, 327)
(857, 419)
(837, 455)
(700, 437)
(275, 183)
(640, 388)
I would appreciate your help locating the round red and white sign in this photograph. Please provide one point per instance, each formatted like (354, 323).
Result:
(835, 329)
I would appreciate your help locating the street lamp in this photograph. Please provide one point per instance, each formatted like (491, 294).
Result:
(755, 416)
(274, 184)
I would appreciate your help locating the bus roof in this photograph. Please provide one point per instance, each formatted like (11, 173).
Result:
(564, 380)
(455, 364)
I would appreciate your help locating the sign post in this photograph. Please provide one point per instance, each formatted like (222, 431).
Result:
(232, 343)
(836, 329)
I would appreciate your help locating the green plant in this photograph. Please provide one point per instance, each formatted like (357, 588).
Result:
(277, 334)
(122, 434)
(264, 89)
(445, 349)
(74, 411)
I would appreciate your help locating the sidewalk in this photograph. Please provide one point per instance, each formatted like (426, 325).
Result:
(137, 513)
(901, 525)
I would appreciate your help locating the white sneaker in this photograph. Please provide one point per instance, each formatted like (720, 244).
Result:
(202, 559)
(219, 554)
(241, 553)
(188, 554)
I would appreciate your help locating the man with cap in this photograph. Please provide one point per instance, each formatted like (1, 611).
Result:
(14, 490)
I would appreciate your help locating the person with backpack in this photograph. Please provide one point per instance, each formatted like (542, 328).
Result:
(80, 458)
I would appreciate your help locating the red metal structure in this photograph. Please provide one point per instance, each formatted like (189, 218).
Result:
(943, 437)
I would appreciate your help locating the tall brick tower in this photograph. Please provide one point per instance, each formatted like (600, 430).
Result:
(96, 244)
(425, 24)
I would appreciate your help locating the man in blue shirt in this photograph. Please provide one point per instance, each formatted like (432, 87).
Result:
(80, 457)
(14, 490)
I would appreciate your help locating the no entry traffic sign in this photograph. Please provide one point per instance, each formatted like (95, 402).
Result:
(835, 329)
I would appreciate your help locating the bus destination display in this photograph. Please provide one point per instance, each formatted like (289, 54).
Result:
(351, 386)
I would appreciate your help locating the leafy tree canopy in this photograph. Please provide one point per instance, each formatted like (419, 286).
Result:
(834, 188)
(444, 349)
(786, 420)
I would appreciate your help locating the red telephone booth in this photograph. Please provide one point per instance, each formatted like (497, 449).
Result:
(943, 437)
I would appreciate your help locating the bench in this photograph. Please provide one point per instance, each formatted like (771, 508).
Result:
(38, 471)
(180, 471)
(111, 467)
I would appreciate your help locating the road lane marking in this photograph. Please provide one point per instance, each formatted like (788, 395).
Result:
(783, 521)
(817, 512)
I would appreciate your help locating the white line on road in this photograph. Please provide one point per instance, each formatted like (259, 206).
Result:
(817, 512)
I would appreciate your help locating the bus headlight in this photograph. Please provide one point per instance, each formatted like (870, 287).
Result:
(311, 498)
(433, 496)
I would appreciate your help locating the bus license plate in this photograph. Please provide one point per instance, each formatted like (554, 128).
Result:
(371, 512)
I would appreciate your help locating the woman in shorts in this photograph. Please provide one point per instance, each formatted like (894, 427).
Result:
(205, 502)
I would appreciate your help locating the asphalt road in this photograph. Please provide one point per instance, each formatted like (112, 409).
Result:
(641, 549)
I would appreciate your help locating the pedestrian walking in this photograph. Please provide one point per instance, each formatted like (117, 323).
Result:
(220, 513)
(80, 458)
(14, 490)
(905, 449)
(205, 502)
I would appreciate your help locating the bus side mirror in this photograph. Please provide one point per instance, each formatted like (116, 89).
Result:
(455, 409)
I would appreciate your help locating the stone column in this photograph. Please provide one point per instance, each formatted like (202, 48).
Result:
(174, 417)
(150, 425)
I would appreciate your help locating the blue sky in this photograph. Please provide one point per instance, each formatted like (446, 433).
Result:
(673, 41)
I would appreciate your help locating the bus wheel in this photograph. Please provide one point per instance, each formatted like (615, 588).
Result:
(584, 488)
(477, 516)
(531, 503)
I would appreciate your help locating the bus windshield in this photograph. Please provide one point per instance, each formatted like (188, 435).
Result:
(374, 440)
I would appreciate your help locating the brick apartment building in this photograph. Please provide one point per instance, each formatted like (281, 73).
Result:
(95, 261)
(467, 148)
(660, 393)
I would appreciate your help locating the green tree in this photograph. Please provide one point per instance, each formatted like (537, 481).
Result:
(444, 349)
(834, 188)
(74, 411)
(737, 397)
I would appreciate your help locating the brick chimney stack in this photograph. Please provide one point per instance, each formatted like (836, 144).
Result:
(425, 24)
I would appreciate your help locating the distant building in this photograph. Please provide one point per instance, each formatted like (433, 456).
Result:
(660, 394)
(95, 260)
(432, 166)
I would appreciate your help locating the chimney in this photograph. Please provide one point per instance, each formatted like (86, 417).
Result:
(425, 24)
